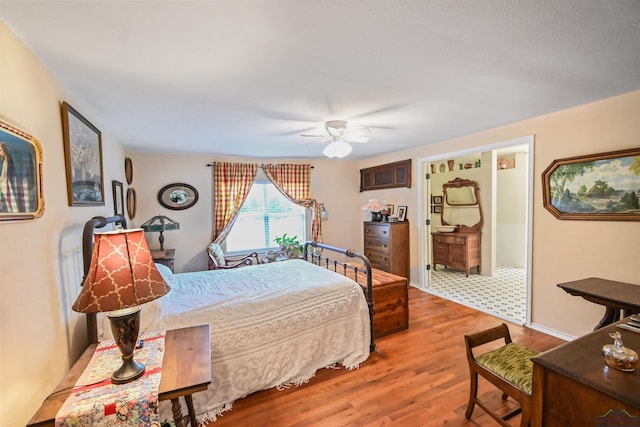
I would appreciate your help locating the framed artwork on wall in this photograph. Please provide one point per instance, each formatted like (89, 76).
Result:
(20, 175)
(83, 159)
(604, 186)
(118, 197)
(178, 196)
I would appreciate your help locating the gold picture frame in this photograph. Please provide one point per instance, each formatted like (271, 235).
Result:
(21, 196)
(83, 159)
(601, 187)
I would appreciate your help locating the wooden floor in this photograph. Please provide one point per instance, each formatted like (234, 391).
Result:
(417, 377)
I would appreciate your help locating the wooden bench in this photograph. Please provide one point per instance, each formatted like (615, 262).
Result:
(508, 367)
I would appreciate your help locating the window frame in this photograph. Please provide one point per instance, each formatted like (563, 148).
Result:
(261, 179)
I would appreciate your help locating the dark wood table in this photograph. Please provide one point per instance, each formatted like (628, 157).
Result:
(573, 386)
(615, 296)
(186, 369)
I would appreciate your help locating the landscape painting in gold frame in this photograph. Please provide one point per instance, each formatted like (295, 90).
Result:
(20, 175)
(603, 186)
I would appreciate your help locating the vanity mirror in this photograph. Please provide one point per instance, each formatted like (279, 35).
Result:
(461, 205)
(459, 247)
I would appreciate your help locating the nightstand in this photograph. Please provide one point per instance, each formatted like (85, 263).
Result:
(186, 369)
(164, 257)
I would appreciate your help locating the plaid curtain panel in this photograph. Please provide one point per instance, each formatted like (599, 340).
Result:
(294, 181)
(231, 184)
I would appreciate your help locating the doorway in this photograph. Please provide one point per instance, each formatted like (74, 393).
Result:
(504, 174)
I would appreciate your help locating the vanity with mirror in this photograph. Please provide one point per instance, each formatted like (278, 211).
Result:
(457, 243)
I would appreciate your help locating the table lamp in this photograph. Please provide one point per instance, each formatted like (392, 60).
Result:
(374, 206)
(160, 223)
(122, 275)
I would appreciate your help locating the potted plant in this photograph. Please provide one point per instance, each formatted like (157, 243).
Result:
(289, 246)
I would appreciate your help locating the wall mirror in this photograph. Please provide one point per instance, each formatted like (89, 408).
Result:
(461, 205)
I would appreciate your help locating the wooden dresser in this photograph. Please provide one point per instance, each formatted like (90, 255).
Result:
(386, 244)
(457, 250)
(573, 386)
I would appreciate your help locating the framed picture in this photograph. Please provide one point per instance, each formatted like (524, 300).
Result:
(436, 200)
(178, 196)
(83, 159)
(603, 186)
(20, 175)
(437, 209)
(389, 209)
(402, 213)
(131, 203)
(118, 197)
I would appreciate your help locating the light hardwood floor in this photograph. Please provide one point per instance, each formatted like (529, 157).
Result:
(417, 377)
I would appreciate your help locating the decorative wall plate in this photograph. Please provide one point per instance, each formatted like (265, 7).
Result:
(177, 196)
(128, 170)
(131, 202)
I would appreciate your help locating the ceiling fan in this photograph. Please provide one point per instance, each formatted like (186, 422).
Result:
(341, 134)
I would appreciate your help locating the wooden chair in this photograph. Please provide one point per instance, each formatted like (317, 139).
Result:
(509, 368)
(219, 261)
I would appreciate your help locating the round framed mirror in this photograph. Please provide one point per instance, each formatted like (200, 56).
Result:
(178, 196)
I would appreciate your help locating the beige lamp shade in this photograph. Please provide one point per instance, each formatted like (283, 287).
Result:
(122, 274)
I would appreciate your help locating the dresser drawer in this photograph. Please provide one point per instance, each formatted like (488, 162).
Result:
(453, 240)
(378, 245)
(377, 257)
(379, 231)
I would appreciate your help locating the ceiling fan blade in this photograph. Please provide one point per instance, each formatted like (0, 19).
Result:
(362, 139)
(314, 136)
(319, 141)
(360, 134)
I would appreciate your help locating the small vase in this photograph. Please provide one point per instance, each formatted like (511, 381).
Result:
(442, 167)
(451, 163)
(618, 356)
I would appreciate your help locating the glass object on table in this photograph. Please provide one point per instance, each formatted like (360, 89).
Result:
(618, 356)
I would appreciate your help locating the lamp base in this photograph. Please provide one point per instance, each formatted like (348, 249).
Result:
(125, 326)
(376, 216)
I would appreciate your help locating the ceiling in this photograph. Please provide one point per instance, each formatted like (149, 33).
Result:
(246, 78)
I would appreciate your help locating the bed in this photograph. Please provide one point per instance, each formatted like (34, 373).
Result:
(271, 325)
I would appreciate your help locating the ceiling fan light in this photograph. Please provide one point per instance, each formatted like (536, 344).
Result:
(337, 149)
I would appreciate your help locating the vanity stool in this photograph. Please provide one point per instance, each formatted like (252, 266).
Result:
(509, 368)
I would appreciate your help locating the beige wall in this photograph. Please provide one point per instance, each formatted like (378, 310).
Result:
(332, 183)
(40, 261)
(562, 250)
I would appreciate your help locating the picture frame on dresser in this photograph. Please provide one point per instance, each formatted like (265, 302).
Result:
(83, 159)
(402, 213)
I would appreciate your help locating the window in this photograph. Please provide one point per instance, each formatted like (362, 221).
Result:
(264, 215)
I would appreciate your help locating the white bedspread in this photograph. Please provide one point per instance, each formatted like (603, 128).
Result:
(271, 325)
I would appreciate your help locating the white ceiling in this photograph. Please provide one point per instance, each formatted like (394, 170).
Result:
(246, 78)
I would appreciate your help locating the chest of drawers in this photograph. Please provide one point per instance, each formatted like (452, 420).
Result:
(386, 244)
(456, 250)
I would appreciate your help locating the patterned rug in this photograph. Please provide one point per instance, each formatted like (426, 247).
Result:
(504, 295)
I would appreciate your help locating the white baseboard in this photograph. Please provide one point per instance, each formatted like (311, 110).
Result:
(551, 332)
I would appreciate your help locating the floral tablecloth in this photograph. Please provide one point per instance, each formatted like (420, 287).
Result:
(96, 402)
